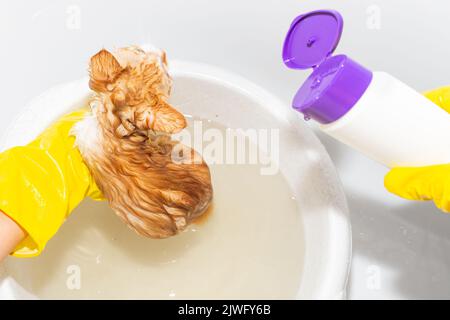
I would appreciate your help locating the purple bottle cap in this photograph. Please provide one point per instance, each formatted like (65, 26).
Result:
(337, 82)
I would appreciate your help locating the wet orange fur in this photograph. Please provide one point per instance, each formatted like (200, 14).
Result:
(137, 165)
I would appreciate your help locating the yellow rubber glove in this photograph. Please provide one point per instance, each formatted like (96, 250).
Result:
(424, 183)
(42, 182)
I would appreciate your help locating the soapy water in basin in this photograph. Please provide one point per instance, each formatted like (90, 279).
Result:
(249, 246)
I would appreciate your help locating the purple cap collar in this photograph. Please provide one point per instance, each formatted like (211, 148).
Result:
(337, 82)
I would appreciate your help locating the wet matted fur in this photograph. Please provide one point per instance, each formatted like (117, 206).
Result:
(127, 146)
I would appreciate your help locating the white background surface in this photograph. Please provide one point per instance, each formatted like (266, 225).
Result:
(401, 249)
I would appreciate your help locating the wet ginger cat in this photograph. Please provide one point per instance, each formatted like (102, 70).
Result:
(126, 143)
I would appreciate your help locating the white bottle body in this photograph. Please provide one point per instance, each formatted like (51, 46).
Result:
(395, 125)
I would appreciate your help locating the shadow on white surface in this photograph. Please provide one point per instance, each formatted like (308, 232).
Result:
(401, 249)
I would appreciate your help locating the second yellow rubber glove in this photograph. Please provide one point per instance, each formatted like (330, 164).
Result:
(424, 183)
(42, 182)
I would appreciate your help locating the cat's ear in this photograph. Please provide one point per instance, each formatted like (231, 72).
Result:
(103, 69)
(167, 119)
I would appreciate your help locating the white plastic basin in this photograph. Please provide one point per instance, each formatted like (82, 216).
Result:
(303, 161)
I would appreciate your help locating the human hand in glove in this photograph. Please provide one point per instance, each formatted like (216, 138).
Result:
(424, 183)
(40, 184)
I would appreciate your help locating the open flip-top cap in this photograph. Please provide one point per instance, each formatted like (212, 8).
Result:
(311, 38)
(337, 82)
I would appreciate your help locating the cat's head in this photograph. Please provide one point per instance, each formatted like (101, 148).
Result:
(133, 87)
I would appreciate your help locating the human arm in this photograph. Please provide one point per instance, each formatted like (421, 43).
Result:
(11, 234)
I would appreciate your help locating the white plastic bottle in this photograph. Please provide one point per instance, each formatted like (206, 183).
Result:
(372, 112)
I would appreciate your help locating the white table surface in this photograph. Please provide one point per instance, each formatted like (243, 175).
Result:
(400, 249)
